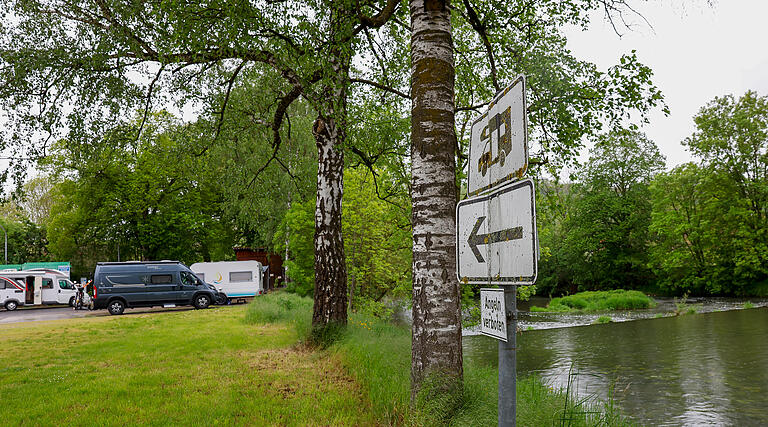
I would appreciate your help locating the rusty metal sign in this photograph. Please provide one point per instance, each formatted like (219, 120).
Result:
(498, 147)
(496, 240)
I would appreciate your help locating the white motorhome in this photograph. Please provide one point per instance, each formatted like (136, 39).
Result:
(236, 279)
(38, 286)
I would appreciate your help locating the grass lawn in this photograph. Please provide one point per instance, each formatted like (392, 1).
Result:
(244, 365)
(198, 367)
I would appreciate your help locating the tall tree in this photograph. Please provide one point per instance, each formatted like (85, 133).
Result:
(436, 343)
(607, 241)
(712, 221)
(70, 68)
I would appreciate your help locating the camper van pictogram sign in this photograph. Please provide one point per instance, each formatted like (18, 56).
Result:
(498, 148)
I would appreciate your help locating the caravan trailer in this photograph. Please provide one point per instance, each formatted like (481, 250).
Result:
(236, 279)
(39, 286)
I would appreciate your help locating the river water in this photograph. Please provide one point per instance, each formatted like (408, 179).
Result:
(709, 368)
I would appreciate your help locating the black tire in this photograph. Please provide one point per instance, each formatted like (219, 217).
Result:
(116, 307)
(202, 301)
(71, 301)
(11, 305)
(221, 299)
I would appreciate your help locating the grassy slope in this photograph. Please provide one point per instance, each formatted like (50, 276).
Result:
(184, 367)
(378, 356)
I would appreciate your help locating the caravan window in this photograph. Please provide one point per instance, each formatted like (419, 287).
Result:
(47, 283)
(160, 279)
(63, 284)
(240, 276)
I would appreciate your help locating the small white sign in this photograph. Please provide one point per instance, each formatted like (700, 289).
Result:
(493, 318)
(498, 144)
(496, 239)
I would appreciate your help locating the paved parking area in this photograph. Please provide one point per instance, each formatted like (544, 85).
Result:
(33, 314)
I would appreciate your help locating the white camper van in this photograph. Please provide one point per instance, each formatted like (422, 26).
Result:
(39, 286)
(236, 279)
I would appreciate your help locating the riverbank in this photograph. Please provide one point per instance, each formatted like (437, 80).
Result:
(377, 355)
(530, 319)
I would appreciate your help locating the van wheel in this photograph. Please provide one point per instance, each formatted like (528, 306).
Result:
(11, 305)
(202, 301)
(116, 307)
(221, 299)
(72, 301)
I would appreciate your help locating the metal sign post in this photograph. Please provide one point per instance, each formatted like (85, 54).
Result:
(498, 319)
(496, 241)
(508, 362)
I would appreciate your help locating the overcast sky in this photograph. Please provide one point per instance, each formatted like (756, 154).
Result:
(697, 52)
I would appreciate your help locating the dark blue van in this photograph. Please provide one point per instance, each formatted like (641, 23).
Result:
(121, 285)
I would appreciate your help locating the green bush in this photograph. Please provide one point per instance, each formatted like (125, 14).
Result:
(617, 299)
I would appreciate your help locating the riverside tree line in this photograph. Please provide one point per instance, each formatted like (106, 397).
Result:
(296, 106)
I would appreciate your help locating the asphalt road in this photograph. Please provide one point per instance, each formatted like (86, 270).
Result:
(33, 314)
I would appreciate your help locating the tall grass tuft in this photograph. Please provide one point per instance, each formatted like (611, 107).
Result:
(377, 354)
(603, 319)
(279, 307)
(617, 299)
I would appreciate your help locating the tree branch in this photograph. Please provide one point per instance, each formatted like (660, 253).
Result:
(382, 87)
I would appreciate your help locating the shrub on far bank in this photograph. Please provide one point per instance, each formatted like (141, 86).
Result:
(617, 299)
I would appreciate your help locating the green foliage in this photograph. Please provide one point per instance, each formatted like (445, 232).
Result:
(570, 100)
(710, 219)
(617, 299)
(600, 240)
(747, 305)
(603, 319)
(299, 225)
(683, 307)
(376, 239)
(27, 242)
(144, 195)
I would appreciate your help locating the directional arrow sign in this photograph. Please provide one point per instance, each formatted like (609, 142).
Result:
(496, 239)
(476, 240)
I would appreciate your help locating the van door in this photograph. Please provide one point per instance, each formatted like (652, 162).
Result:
(188, 286)
(66, 291)
(162, 287)
(37, 295)
(49, 292)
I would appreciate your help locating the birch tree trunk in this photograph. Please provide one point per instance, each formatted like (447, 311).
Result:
(436, 344)
(330, 298)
